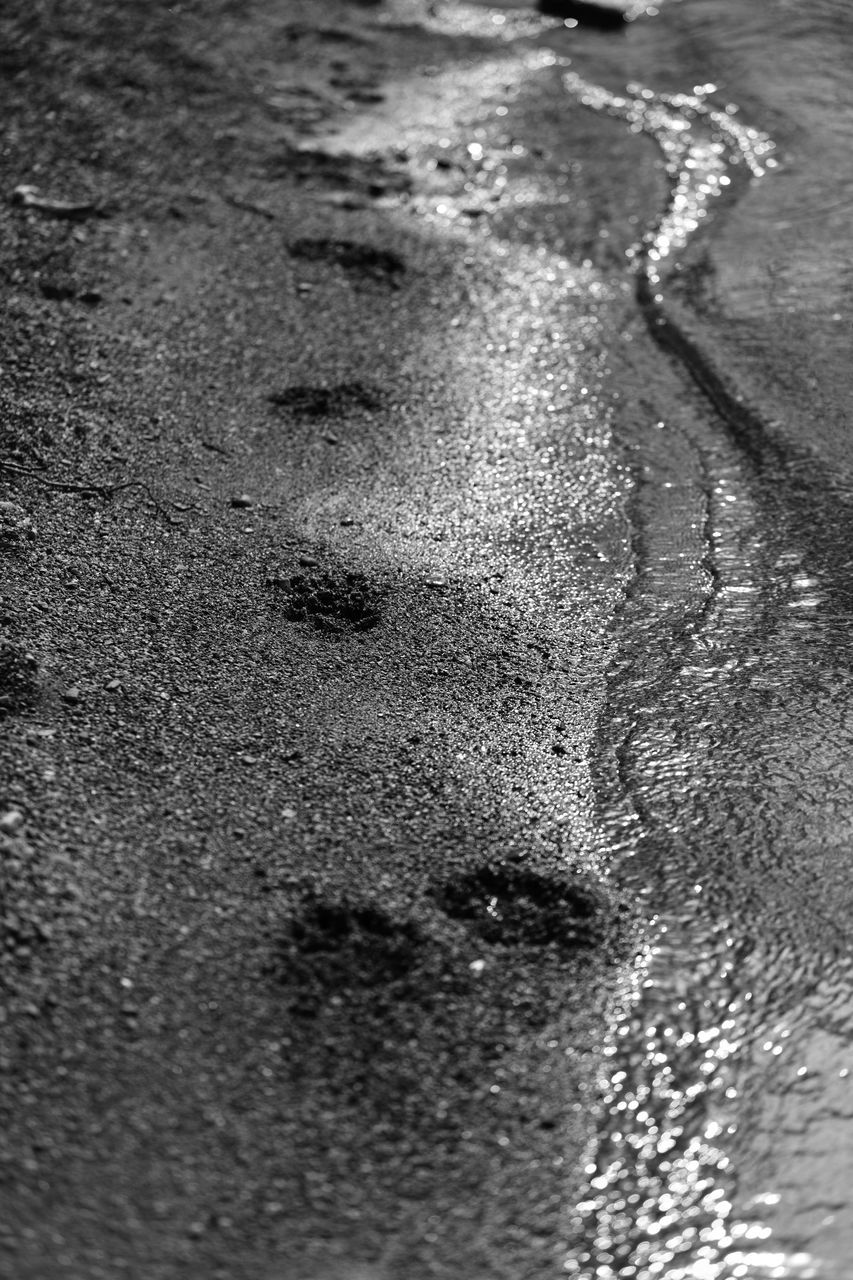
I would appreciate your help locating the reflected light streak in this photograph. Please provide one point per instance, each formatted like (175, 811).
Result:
(700, 144)
(660, 1201)
(662, 1183)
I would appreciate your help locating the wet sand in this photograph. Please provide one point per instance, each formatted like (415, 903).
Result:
(368, 734)
(308, 948)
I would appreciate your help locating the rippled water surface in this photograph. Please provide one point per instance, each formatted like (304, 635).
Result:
(726, 1145)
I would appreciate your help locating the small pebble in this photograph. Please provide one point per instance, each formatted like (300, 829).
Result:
(112, 685)
(71, 694)
(242, 500)
(10, 821)
(308, 562)
(437, 583)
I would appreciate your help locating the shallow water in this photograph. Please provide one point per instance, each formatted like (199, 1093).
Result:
(726, 1146)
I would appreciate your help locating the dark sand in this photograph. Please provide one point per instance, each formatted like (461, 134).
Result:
(306, 950)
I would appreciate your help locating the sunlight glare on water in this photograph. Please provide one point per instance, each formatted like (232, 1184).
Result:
(712, 1163)
(700, 146)
(660, 1204)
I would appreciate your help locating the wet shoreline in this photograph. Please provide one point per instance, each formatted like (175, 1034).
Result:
(469, 635)
(692, 1104)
